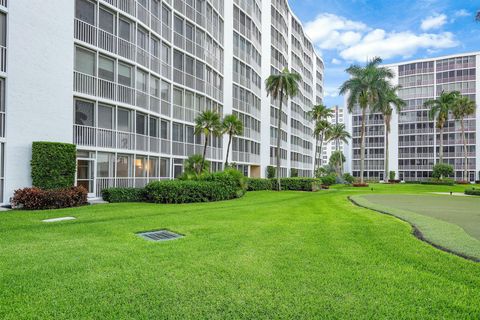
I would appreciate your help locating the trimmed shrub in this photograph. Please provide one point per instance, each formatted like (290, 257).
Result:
(38, 199)
(348, 178)
(53, 165)
(443, 182)
(271, 172)
(391, 175)
(298, 184)
(257, 184)
(442, 170)
(473, 192)
(113, 195)
(231, 177)
(329, 179)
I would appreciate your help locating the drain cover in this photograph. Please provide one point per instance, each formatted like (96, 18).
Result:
(160, 235)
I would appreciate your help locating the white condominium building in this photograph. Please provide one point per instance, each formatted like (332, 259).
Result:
(413, 140)
(330, 146)
(125, 79)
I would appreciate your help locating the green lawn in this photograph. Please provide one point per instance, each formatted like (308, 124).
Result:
(267, 255)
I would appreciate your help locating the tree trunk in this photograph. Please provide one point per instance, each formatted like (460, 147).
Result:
(387, 146)
(279, 139)
(228, 149)
(317, 158)
(465, 172)
(204, 153)
(321, 151)
(362, 146)
(440, 152)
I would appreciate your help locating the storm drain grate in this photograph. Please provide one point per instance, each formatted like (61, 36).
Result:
(160, 235)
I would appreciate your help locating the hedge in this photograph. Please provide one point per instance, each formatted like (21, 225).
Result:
(113, 195)
(53, 165)
(443, 182)
(38, 199)
(473, 192)
(294, 184)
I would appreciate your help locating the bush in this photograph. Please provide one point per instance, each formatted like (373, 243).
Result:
(391, 175)
(271, 172)
(256, 184)
(442, 170)
(473, 192)
(329, 179)
(348, 178)
(293, 173)
(38, 199)
(123, 195)
(297, 184)
(53, 165)
(231, 177)
(443, 182)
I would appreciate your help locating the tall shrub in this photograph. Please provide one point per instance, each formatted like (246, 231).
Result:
(53, 165)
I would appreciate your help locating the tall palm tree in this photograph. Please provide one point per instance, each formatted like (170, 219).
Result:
(232, 126)
(207, 123)
(463, 108)
(280, 87)
(439, 111)
(388, 99)
(338, 133)
(336, 160)
(319, 132)
(318, 114)
(363, 89)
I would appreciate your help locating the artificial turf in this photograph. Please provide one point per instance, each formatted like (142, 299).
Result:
(266, 255)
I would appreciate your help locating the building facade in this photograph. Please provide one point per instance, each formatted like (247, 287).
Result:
(330, 146)
(125, 79)
(414, 137)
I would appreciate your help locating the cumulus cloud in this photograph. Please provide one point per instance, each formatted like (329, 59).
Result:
(433, 22)
(336, 61)
(462, 13)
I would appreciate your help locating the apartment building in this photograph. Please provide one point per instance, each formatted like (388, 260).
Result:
(125, 79)
(414, 137)
(330, 146)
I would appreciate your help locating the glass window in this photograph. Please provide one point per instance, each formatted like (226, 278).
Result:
(124, 29)
(84, 113)
(141, 123)
(178, 25)
(84, 61)
(142, 81)
(166, 13)
(165, 53)
(154, 86)
(164, 166)
(152, 167)
(178, 97)
(153, 127)
(189, 65)
(125, 74)
(105, 165)
(177, 132)
(123, 122)
(3, 29)
(165, 91)
(164, 129)
(140, 167)
(106, 21)
(85, 11)
(123, 166)
(105, 117)
(142, 39)
(178, 60)
(106, 68)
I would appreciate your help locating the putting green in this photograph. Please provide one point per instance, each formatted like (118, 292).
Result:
(451, 222)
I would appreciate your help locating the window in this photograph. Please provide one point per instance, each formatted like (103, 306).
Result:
(124, 31)
(141, 124)
(105, 117)
(140, 167)
(85, 11)
(165, 53)
(153, 127)
(178, 25)
(123, 122)
(105, 165)
(154, 86)
(106, 68)
(178, 60)
(84, 113)
(177, 132)
(123, 166)
(189, 65)
(142, 81)
(178, 97)
(152, 167)
(142, 39)
(106, 21)
(166, 14)
(84, 61)
(125, 74)
(3, 29)
(164, 164)
(165, 91)
(164, 129)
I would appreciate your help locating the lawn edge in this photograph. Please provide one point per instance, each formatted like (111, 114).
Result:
(416, 231)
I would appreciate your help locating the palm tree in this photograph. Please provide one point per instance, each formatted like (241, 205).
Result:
(193, 166)
(477, 16)
(363, 89)
(388, 99)
(207, 123)
(463, 108)
(318, 114)
(336, 160)
(232, 126)
(439, 111)
(320, 131)
(281, 86)
(338, 133)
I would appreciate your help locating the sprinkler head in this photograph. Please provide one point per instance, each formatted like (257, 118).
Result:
(450, 192)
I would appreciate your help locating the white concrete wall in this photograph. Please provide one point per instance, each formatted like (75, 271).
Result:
(40, 82)
(477, 136)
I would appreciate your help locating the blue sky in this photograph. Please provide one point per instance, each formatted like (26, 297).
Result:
(351, 31)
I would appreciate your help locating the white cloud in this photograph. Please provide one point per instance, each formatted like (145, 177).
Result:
(462, 13)
(388, 45)
(336, 61)
(330, 31)
(433, 22)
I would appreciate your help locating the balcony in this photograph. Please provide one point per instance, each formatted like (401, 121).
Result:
(247, 157)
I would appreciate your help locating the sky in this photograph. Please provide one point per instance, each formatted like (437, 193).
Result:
(347, 32)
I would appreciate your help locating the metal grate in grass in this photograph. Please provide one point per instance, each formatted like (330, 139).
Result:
(160, 235)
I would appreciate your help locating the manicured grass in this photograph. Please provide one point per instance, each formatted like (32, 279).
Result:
(267, 255)
(451, 222)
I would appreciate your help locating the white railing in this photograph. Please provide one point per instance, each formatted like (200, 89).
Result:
(85, 32)
(84, 83)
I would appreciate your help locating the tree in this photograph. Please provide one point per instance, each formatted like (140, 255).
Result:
(207, 123)
(338, 133)
(363, 89)
(280, 87)
(232, 126)
(320, 130)
(439, 110)
(193, 166)
(319, 115)
(336, 160)
(477, 16)
(462, 108)
(384, 105)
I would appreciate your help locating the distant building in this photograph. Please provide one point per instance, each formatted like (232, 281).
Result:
(330, 147)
